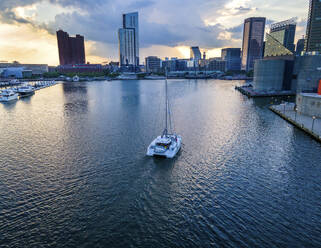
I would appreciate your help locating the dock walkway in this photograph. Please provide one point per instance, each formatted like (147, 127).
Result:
(303, 122)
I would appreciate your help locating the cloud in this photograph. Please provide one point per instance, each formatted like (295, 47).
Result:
(166, 23)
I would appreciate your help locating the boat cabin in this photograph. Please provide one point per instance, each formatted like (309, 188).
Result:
(164, 142)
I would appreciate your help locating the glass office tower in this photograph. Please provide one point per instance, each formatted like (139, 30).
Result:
(195, 53)
(127, 55)
(300, 47)
(313, 34)
(253, 38)
(129, 40)
(232, 56)
(284, 32)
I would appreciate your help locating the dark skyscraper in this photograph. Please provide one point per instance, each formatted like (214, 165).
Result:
(313, 35)
(253, 37)
(300, 46)
(232, 56)
(71, 49)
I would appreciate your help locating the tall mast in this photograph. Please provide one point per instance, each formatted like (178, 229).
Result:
(166, 106)
(166, 109)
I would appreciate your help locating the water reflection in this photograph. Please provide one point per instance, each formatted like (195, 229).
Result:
(76, 98)
(8, 105)
(74, 160)
(130, 94)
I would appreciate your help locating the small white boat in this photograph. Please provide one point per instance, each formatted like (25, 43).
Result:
(14, 82)
(8, 95)
(153, 77)
(75, 79)
(26, 90)
(167, 145)
(130, 76)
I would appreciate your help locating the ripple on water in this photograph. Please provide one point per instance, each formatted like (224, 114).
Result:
(73, 171)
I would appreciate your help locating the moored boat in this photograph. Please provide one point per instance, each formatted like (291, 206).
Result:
(26, 90)
(8, 95)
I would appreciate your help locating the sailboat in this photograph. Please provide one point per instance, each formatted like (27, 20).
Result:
(167, 145)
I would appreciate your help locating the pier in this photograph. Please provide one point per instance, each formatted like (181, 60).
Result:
(251, 93)
(308, 124)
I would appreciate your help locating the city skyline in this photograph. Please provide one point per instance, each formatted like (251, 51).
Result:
(164, 33)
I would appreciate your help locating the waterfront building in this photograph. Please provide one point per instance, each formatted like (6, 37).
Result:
(232, 56)
(284, 33)
(307, 73)
(153, 64)
(253, 37)
(313, 32)
(36, 69)
(81, 68)
(215, 64)
(273, 74)
(309, 104)
(299, 47)
(71, 49)
(273, 48)
(175, 64)
(128, 37)
(15, 72)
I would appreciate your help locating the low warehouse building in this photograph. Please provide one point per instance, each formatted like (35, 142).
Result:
(309, 104)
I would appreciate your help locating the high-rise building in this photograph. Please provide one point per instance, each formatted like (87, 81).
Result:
(313, 34)
(300, 46)
(71, 49)
(129, 40)
(284, 33)
(127, 47)
(232, 56)
(153, 64)
(195, 53)
(253, 37)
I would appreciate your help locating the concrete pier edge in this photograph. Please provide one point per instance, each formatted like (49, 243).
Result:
(299, 126)
(251, 94)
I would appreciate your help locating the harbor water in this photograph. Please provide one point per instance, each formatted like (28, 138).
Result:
(73, 169)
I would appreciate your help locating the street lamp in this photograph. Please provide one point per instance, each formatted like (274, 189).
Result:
(313, 119)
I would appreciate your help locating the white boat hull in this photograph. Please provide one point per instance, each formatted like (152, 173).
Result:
(9, 98)
(170, 152)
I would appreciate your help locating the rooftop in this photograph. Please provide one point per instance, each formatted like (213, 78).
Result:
(316, 95)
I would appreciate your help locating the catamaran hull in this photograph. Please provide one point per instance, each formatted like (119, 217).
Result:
(152, 152)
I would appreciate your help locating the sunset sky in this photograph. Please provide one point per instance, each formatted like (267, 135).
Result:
(167, 27)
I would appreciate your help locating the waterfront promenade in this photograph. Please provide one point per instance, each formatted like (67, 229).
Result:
(305, 123)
